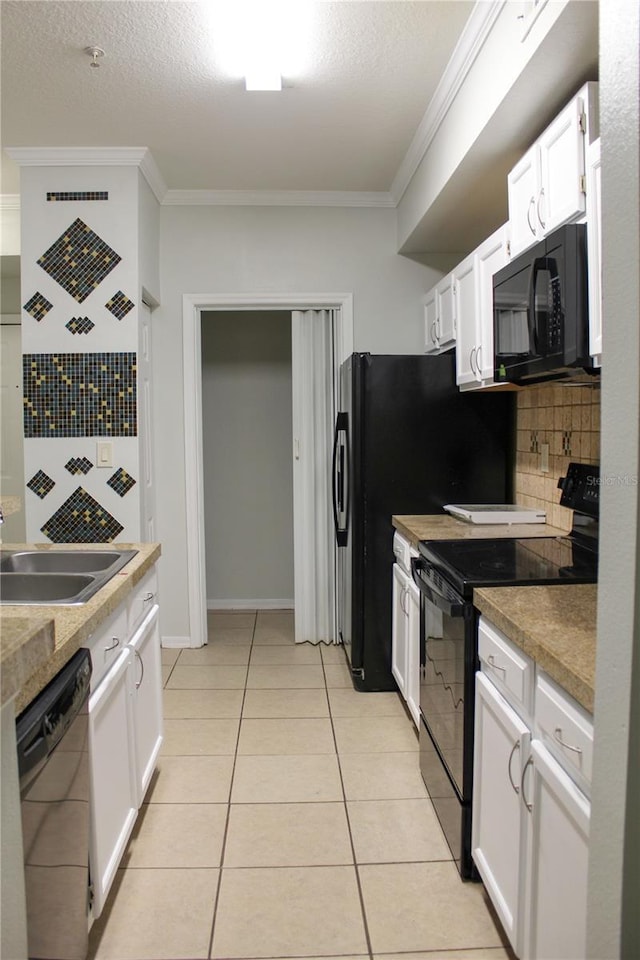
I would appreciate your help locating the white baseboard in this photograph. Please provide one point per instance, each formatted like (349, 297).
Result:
(250, 604)
(175, 642)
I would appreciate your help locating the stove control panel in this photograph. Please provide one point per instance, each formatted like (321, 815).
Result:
(581, 489)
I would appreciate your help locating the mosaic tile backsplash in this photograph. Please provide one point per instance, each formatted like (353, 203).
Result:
(568, 420)
(79, 260)
(80, 395)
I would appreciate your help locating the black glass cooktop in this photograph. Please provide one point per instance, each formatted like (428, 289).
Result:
(466, 564)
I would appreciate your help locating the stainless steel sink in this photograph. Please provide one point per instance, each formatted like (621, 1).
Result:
(57, 576)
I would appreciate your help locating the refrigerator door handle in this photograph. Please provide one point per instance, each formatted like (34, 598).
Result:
(340, 513)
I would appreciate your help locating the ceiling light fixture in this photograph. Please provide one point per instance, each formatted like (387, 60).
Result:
(95, 53)
(260, 40)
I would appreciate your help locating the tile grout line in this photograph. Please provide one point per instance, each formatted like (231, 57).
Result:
(346, 812)
(226, 825)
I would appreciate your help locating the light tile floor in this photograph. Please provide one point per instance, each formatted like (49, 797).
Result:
(287, 818)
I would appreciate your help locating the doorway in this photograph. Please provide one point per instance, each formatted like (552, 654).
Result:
(193, 307)
(247, 430)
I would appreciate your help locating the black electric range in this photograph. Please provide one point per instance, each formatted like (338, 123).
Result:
(446, 572)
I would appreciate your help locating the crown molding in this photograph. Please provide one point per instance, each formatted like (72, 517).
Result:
(476, 30)
(92, 157)
(277, 198)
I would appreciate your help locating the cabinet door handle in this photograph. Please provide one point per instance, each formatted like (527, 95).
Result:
(478, 361)
(528, 805)
(532, 203)
(557, 733)
(139, 682)
(516, 746)
(116, 643)
(540, 198)
(434, 332)
(148, 597)
(491, 660)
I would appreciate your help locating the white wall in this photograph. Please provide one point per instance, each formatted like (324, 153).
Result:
(148, 239)
(614, 862)
(248, 475)
(254, 250)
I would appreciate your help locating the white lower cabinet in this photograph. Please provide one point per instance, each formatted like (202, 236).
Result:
(147, 699)
(498, 828)
(530, 833)
(125, 733)
(405, 640)
(112, 764)
(557, 861)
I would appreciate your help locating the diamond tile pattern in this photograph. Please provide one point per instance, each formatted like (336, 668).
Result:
(41, 484)
(79, 260)
(121, 482)
(80, 325)
(119, 305)
(78, 465)
(38, 306)
(81, 519)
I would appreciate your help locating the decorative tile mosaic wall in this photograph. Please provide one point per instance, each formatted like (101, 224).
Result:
(121, 482)
(119, 305)
(80, 395)
(75, 393)
(79, 260)
(78, 465)
(41, 484)
(80, 325)
(81, 519)
(38, 306)
(568, 420)
(78, 195)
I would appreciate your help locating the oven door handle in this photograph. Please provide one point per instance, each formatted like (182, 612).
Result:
(450, 607)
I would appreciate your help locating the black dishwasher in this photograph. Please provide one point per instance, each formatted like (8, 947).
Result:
(53, 764)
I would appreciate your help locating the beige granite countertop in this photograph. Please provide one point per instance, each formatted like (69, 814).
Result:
(442, 526)
(555, 625)
(37, 640)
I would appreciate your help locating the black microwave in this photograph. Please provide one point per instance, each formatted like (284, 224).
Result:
(541, 312)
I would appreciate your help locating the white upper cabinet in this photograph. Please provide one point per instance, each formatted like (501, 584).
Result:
(440, 316)
(473, 284)
(547, 186)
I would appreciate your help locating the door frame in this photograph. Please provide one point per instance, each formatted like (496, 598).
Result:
(193, 306)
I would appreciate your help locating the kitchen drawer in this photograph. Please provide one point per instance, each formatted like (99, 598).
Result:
(402, 552)
(143, 597)
(511, 669)
(106, 643)
(565, 728)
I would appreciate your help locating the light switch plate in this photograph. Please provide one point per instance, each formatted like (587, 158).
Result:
(104, 453)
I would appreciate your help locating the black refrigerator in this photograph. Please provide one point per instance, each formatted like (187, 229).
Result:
(406, 441)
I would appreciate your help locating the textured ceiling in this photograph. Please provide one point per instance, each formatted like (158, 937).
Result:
(344, 122)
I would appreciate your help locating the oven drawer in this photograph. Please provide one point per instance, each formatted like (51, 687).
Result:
(510, 668)
(565, 728)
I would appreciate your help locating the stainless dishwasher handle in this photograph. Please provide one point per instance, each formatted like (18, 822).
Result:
(116, 643)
